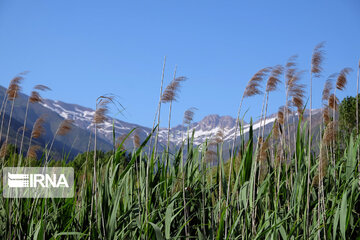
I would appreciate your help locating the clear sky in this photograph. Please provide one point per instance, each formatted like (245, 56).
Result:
(83, 49)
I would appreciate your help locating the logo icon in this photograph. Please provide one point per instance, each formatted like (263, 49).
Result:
(18, 180)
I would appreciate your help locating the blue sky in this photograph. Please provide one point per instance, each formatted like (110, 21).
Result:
(83, 49)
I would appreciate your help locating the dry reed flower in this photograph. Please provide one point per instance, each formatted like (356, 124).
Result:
(35, 97)
(326, 114)
(14, 87)
(274, 78)
(276, 130)
(171, 91)
(189, 115)
(38, 128)
(42, 87)
(65, 127)
(32, 151)
(328, 87)
(100, 115)
(264, 146)
(281, 114)
(330, 133)
(342, 78)
(253, 85)
(333, 101)
(290, 69)
(317, 59)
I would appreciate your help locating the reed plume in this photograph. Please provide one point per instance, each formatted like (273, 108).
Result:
(276, 129)
(63, 129)
(253, 86)
(330, 133)
(326, 114)
(262, 158)
(328, 87)
(342, 78)
(100, 115)
(35, 97)
(171, 91)
(171, 94)
(280, 115)
(333, 102)
(317, 59)
(189, 115)
(32, 151)
(38, 128)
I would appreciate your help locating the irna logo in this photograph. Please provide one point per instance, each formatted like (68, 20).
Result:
(38, 182)
(35, 180)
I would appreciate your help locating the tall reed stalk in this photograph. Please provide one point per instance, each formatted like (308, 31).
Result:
(316, 68)
(251, 89)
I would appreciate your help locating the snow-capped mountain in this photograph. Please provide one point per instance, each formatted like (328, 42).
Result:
(78, 139)
(203, 130)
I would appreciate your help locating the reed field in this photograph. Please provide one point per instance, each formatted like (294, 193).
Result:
(294, 183)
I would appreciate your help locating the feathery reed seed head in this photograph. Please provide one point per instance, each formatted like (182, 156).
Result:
(274, 78)
(65, 127)
(326, 114)
(330, 133)
(333, 101)
(317, 59)
(189, 115)
(342, 78)
(253, 85)
(32, 151)
(35, 97)
(42, 87)
(14, 87)
(328, 87)
(100, 115)
(171, 91)
(38, 128)
(290, 69)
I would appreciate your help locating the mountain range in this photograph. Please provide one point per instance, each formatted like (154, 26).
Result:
(77, 140)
